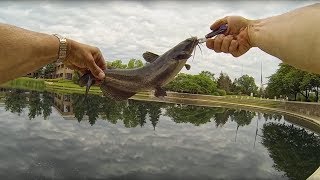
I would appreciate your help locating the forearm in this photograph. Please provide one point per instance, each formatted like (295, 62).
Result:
(23, 51)
(293, 37)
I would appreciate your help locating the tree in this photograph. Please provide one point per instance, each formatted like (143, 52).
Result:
(117, 64)
(48, 70)
(134, 63)
(291, 82)
(196, 84)
(224, 82)
(246, 85)
(207, 74)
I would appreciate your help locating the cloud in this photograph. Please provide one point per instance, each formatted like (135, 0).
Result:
(65, 149)
(125, 29)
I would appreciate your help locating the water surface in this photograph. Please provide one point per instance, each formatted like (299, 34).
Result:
(60, 136)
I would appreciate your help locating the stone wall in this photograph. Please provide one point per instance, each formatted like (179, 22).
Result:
(312, 109)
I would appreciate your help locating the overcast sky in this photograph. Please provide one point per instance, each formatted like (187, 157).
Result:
(125, 29)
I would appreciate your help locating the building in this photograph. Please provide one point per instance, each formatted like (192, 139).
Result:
(63, 103)
(61, 71)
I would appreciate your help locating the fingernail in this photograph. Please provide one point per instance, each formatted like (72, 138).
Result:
(101, 75)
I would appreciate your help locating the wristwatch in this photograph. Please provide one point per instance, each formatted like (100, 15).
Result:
(62, 48)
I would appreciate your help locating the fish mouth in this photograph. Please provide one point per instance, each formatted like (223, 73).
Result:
(191, 44)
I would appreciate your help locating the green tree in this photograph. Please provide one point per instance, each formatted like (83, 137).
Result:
(134, 63)
(48, 70)
(196, 84)
(208, 74)
(246, 85)
(224, 82)
(117, 64)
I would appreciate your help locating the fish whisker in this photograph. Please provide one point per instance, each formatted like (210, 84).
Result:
(200, 49)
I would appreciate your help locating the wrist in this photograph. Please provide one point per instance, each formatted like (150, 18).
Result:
(254, 32)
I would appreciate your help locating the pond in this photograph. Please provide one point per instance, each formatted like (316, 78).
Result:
(47, 135)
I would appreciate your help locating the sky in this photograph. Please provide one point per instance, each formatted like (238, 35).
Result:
(126, 29)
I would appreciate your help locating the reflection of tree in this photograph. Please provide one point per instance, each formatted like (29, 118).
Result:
(222, 116)
(142, 112)
(293, 150)
(79, 109)
(112, 110)
(34, 105)
(242, 117)
(154, 111)
(268, 116)
(92, 103)
(38, 103)
(130, 115)
(193, 114)
(89, 106)
(47, 103)
(15, 101)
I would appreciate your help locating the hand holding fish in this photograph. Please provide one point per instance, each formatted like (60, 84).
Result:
(235, 40)
(82, 57)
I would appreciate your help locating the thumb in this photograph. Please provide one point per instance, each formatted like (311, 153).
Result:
(218, 23)
(95, 69)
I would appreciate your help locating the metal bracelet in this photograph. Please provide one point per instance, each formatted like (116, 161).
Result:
(62, 48)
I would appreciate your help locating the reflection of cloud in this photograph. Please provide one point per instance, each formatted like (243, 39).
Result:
(125, 29)
(61, 148)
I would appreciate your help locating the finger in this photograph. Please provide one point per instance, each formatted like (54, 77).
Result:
(94, 68)
(101, 63)
(233, 47)
(218, 23)
(218, 42)
(226, 43)
(210, 43)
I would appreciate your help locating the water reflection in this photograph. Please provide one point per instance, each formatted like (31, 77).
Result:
(38, 104)
(294, 150)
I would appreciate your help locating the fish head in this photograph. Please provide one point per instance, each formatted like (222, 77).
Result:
(183, 50)
(86, 80)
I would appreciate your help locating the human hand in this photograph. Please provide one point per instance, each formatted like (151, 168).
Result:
(82, 57)
(235, 40)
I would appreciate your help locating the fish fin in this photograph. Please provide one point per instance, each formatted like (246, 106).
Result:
(149, 56)
(115, 93)
(187, 66)
(160, 92)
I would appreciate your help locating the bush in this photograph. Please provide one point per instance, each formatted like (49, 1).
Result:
(216, 94)
(221, 92)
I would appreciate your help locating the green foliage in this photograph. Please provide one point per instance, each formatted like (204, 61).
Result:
(221, 92)
(196, 84)
(224, 82)
(48, 70)
(117, 64)
(245, 85)
(291, 82)
(134, 63)
(208, 74)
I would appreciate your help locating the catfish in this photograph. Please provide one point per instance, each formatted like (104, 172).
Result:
(121, 84)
